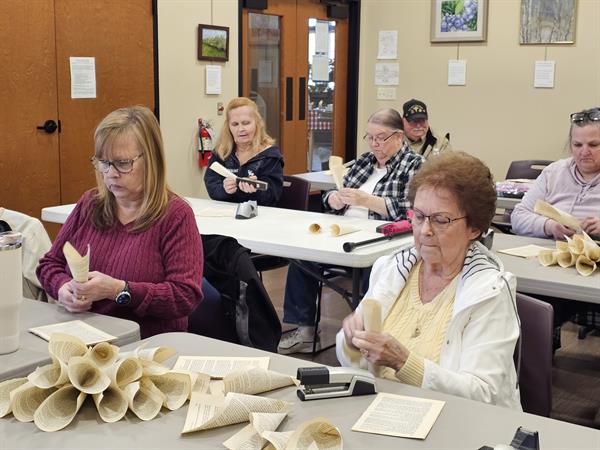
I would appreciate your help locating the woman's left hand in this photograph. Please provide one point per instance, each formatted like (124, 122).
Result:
(591, 225)
(354, 197)
(246, 187)
(98, 287)
(381, 349)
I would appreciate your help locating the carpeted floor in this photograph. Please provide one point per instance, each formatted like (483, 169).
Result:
(576, 372)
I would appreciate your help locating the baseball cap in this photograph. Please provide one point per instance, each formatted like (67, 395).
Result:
(414, 110)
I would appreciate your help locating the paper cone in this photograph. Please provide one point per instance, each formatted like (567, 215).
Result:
(64, 346)
(145, 403)
(111, 404)
(50, 375)
(562, 246)
(25, 399)
(6, 387)
(337, 172)
(222, 170)
(585, 266)
(590, 248)
(575, 244)
(565, 259)
(87, 376)
(176, 388)
(59, 409)
(547, 257)
(547, 210)
(103, 354)
(314, 228)
(78, 265)
(125, 371)
(341, 229)
(371, 310)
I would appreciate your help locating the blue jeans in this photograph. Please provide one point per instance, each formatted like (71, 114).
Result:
(209, 317)
(301, 289)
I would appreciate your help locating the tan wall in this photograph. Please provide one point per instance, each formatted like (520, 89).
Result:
(498, 116)
(181, 80)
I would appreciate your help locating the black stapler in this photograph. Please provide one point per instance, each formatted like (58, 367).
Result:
(329, 382)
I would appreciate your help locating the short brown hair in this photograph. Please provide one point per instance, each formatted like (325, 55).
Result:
(467, 178)
(140, 123)
(225, 143)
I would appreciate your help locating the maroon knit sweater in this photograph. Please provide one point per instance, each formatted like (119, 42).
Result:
(163, 265)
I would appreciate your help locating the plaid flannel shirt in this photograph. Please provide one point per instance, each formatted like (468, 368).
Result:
(393, 186)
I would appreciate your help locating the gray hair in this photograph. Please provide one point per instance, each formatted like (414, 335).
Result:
(388, 117)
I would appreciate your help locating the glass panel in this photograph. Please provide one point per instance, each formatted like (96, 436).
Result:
(263, 68)
(321, 63)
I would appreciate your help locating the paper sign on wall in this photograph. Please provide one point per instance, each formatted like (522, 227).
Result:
(213, 79)
(387, 45)
(387, 74)
(83, 77)
(457, 72)
(544, 74)
(320, 68)
(386, 93)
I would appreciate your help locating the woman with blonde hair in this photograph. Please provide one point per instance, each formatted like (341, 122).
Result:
(145, 249)
(245, 148)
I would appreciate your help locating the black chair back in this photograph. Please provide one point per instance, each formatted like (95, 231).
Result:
(295, 193)
(529, 168)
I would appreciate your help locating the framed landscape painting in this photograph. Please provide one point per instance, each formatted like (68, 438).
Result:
(458, 20)
(547, 22)
(213, 43)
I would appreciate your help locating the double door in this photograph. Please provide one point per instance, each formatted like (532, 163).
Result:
(47, 136)
(295, 69)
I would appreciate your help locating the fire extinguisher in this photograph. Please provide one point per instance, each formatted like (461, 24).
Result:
(205, 146)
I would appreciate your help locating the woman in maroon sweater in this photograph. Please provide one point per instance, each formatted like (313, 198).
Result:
(145, 249)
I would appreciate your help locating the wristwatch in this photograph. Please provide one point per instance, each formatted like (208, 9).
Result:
(124, 297)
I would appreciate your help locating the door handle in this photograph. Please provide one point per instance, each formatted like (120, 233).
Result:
(50, 126)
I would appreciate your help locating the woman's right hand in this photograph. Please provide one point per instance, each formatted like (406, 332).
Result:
(335, 200)
(230, 185)
(557, 231)
(351, 324)
(68, 299)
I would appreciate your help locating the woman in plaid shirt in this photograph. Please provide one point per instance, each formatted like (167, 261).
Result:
(376, 187)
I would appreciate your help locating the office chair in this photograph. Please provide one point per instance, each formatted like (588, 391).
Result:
(535, 375)
(294, 196)
(529, 169)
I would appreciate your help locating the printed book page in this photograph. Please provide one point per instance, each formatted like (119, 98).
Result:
(78, 328)
(217, 366)
(398, 415)
(526, 251)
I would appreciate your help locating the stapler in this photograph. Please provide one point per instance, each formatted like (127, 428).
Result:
(246, 210)
(330, 382)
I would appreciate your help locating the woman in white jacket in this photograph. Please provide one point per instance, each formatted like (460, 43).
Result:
(448, 310)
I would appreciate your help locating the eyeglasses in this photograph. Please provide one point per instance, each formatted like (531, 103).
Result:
(591, 115)
(438, 221)
(121, 165)
(377, 140)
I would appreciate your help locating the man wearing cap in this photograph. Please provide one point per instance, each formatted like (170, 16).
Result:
(417, 133)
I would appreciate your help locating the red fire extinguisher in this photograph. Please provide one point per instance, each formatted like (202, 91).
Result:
(205, 145)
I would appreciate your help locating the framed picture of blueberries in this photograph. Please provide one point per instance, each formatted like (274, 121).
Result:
(458, 20)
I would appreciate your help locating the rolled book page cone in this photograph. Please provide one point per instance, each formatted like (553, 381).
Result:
(341, 229)
(547, 210)
(59, 409)
(371, 310)
(6, 387)
(125, 371)
(63, 347)
(87, 376)
(575, 244)
(50, 375)
(590, 248)
(547, 257)
(585, 266)
(314, 228)
(145, 403)
(562, 246)
(111, 404)
(335, 161)
(26, 399)
(103, 354)
(78, 265)
(176, 388)
(222, 170)
(565, 259)
(337, 172)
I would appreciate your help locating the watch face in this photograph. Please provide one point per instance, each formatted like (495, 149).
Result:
(123, 298)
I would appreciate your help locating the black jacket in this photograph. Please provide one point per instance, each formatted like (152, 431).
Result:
(266, 166)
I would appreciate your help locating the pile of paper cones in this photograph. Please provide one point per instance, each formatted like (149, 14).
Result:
(579, 251)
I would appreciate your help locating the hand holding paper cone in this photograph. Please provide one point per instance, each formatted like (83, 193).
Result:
(547, 210)
(78, 265)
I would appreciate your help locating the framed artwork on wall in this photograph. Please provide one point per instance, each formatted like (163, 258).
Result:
(547, 22)
(458, 20)
(213, 43)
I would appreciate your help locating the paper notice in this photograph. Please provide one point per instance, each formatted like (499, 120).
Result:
(398, 415)
(320, 68)
(526, 251)
(387, 74)
(87, 333)
(218, 367)
(83, 77)
(387, 45)
(386, 93)
(322, 36)
(544, 74)
(213, 80)
(457, 72)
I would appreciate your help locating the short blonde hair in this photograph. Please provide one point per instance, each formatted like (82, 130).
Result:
(141, 124)
(225, 142)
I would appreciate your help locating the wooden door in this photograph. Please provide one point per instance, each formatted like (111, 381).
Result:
(119, 35)
(278, 51)
(29, 159)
